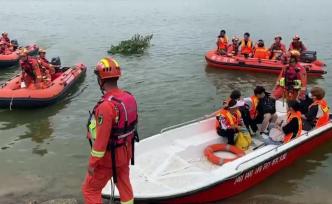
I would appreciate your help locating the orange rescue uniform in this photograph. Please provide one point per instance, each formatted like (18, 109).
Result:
(106, 116)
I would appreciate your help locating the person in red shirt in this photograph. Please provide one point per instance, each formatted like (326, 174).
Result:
(277, 49)
(297, 44)
(3, 49)
(5, 39)
(31, 73)
(112, 133)
(47, 68)
(233, 49)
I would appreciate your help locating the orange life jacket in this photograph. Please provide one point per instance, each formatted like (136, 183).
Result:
(231, 120)
(222, 43)
(253, 109)
(246, 48)
(324, 119)
(261, 53)
(297, 115)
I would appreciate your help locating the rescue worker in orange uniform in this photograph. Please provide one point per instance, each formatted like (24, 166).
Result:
(3, 49)
(222, 43)
(112, 133)
(31, 73)
(292, 129)
(5, 39)
(260, 51)
(229, 120)
(246, 45)
(277, 49)
(290, 84)
(233, 49)
(46, 67)
(297, 44)
(318, 112)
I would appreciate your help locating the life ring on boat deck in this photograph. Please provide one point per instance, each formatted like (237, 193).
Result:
(211, 149)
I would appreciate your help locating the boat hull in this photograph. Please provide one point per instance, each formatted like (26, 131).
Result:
(35, 98)
(13, 58)
(256, 65)
(248, 178)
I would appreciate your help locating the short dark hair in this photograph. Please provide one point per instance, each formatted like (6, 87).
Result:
(231, 103)
(236, 94)
(247, 34)
(318, 92)
(293, 104)
(259, 90)
(222, 31)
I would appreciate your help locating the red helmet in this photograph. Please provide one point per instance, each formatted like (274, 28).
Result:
(108, 68)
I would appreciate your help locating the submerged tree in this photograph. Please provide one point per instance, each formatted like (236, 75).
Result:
(136, 45)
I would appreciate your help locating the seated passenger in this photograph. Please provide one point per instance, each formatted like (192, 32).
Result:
(297, 44)
(261, 109)
(233, 49)
(260, 51)
(222, 43)
(5, 39)
(3, 49)
(290, 83)
(292, 129)
(246, 45)
(277, 49)
(318, 112)
(228, 121)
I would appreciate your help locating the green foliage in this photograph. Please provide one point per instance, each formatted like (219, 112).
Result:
(136, 45)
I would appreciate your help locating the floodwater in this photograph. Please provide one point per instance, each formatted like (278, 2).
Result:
(43, 152)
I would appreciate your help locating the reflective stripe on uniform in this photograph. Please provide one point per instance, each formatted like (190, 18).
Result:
(128, 202)
(92, 128)
(98, 154)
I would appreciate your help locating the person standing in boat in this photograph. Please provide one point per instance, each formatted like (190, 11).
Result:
(47, 68)
(260, 51)
(283, 133)
(277, 49)
(290, 83)
(31, 72)
(233, 49)
(229, 120)
(297, 44)
(222, 43)
(246, 45)
(318, 112)
(111, 133)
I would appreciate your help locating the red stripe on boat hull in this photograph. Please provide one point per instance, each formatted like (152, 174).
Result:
(249, 178)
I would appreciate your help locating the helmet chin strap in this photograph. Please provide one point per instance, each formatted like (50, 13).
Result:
(101, 84)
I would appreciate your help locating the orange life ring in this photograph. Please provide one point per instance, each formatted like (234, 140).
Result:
(211, 149)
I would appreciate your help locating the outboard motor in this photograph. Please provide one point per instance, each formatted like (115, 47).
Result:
(14, 43)
(56, 62)
(308, 56)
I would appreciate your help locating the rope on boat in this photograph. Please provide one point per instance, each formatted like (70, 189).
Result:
(11, 103)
